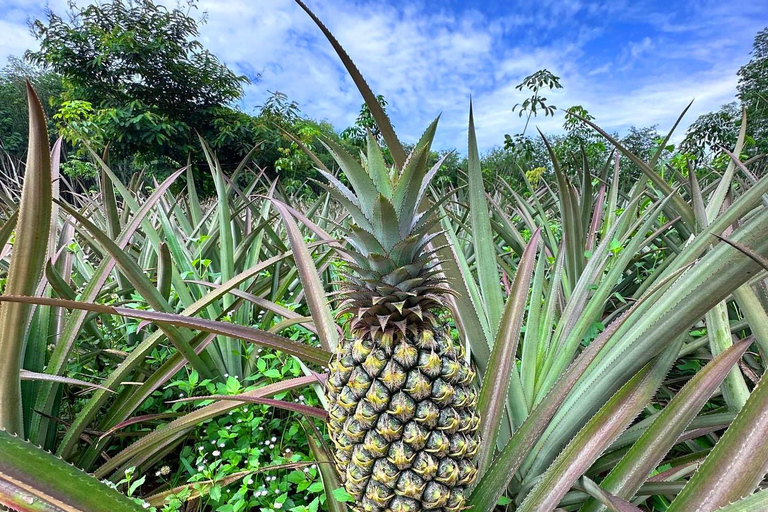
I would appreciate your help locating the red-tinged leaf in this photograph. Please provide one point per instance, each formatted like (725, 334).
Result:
(27, 375)
(645, 454)
(135, 420)
(758, 258)
(306, 353)
(310, 280)
(377, 111)
(306, 410)
(502, 365)
(27, 263)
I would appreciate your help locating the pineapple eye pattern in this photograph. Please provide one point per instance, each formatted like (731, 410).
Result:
(405, 434)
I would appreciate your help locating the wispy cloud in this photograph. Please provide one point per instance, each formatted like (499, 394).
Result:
(626, 64)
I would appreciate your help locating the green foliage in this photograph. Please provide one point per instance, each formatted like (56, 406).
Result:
(365, 123)
(149, 82)
(753, 90)
(606, 381)
(13, 107)
(713, 131)
(541, 79)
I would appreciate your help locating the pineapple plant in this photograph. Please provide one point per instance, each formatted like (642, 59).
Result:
(402, 412)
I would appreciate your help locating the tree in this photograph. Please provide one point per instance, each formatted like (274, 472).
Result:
(713, 131)
(536, 82)
(365, 122)
(149, 82)
(753, 91)
(14, 120)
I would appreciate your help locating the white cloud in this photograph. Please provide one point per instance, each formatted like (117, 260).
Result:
(428, 59)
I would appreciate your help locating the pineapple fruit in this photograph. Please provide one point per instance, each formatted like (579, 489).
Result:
(403, 416)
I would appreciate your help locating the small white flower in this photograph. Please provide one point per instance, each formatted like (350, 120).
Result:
(216, 453)
(301, 397)
(226, 375)
(228, 427)
(287, 450)
(278, 505)
(200, 448)
(221, 445)
(200, 468)
(146, 505)
(274, 439)
(248, 481)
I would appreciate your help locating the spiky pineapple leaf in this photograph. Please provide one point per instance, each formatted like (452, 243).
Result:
(487, 269)
(304, 352)
(27, 262)
(33, 480)
(633, 469)
(377, 111)
(502, 369)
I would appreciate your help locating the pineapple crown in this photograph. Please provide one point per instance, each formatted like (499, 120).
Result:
(396, 283)
(387, 204)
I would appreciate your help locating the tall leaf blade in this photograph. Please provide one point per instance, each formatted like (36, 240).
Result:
(310, 279)
(633, 469)
(502, 369)
(26, 268)
(487, 269)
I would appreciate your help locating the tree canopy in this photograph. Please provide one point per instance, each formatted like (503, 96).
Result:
(135, 73)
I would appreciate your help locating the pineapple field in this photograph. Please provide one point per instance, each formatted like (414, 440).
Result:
(204, 310)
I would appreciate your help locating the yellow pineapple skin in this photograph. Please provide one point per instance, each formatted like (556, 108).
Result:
(403, 418)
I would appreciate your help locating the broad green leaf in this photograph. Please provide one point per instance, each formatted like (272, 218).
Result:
(33, 480)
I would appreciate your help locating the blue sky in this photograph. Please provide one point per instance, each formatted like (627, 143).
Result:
(627, 63)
